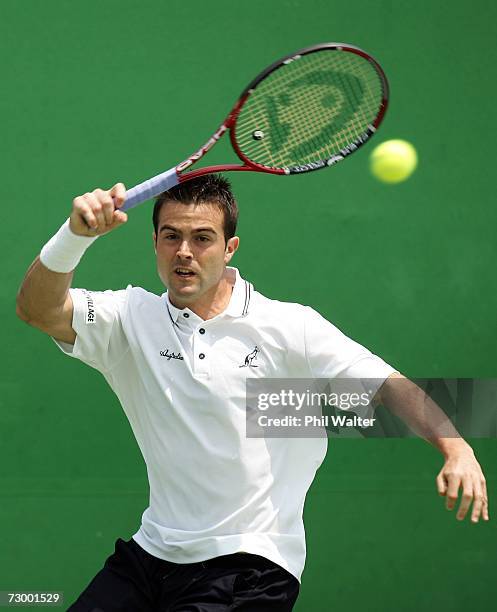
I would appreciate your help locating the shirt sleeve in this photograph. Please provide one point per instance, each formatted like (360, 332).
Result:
(98, 322)
(331, 354)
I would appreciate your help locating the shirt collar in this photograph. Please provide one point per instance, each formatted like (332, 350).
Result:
(238, 305)
(240, 298)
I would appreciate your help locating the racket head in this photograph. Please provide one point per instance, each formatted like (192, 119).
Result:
(309, 110)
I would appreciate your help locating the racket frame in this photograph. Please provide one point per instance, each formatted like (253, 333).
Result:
(166, 180)
(230, 123)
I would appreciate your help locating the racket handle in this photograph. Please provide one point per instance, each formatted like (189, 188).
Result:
(149, 189)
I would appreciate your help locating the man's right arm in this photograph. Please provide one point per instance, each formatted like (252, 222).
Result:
(44, 300)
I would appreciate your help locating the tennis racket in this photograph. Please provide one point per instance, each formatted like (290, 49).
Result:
(309, 110)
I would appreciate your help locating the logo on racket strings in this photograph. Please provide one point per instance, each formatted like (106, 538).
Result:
(339, 96)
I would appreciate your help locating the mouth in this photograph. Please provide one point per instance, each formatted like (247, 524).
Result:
(184, 272)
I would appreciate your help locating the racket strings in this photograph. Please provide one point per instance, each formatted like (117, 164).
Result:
(316, 121)
(309, 109)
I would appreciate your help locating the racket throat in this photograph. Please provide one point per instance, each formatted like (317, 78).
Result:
(203, 150)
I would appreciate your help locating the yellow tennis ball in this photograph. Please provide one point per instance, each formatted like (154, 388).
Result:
(393, 161)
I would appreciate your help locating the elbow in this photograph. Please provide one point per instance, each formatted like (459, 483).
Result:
(40, 320)
(22, 309)
(21, 312)
(28, 318)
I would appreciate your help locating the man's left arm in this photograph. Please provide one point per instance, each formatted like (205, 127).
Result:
(461, 469)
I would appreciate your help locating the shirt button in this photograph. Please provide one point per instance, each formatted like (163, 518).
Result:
(201, 330)
(186, 315)
(201, 356)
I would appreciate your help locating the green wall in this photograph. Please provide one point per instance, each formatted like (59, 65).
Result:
(102, 91)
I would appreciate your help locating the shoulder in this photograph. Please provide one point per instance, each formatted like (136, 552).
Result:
(279, 313)
(138, 294)
(291, 319)
(263, 304)
(142, 304)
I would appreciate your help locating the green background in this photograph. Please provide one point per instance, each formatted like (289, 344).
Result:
(97, 92)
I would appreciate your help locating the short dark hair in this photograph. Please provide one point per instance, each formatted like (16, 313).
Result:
(207, 189)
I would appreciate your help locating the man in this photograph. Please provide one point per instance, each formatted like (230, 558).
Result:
(224, 527)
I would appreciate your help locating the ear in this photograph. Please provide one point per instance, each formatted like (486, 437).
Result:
(154, 238)
(231, 248)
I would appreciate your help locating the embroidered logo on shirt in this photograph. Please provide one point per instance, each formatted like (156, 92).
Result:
(169, 355)
(250, 358)
(90, 308)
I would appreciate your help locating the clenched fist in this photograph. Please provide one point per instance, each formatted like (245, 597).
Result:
(97, 213)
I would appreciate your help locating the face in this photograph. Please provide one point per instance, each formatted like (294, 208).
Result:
(191, 252)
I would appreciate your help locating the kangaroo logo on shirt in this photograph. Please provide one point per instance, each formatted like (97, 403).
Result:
(250, 358)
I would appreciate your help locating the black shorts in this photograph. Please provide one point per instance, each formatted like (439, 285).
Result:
(133, 580)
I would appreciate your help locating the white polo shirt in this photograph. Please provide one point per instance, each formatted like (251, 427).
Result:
(181, 382)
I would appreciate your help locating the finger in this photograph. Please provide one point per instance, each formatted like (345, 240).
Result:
(441, 484)
(118, 194)
(118, 218)
(466, 498)
(107, 204)
(452, 493)
(97, 210)
(485, 499)
(478, 501)
(85, 211)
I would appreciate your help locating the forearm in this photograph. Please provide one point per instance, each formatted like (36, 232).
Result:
(43, 297)
(422, 415)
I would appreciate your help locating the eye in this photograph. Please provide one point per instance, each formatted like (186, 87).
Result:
(203, 238)
(170, 236)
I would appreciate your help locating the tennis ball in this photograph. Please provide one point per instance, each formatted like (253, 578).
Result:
(393, 161)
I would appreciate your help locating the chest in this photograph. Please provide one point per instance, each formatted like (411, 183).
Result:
(226, 353)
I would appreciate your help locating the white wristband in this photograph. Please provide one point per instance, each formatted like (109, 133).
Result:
(63, 252)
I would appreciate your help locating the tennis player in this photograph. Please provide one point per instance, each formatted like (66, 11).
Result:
(223, 529)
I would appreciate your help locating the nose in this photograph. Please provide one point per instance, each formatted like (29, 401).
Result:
(184, 251)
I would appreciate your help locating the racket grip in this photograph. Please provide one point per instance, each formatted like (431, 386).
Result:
(149, 189)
